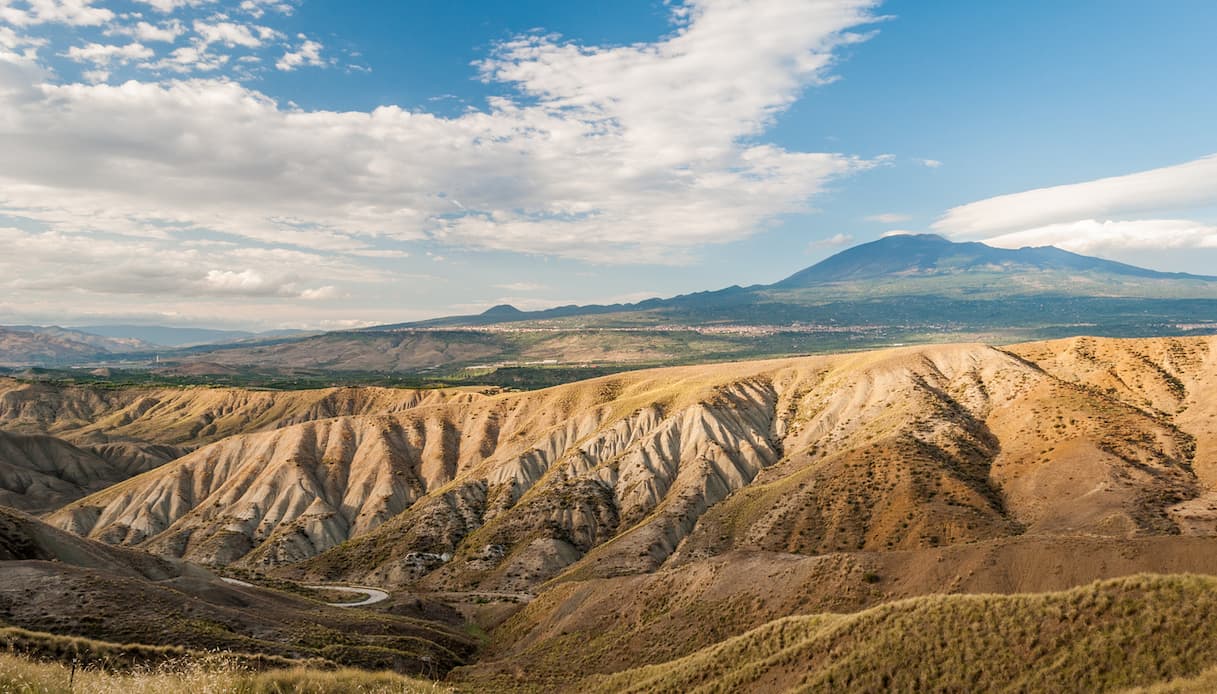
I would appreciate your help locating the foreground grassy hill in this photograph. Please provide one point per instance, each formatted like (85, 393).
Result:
(212, 674)
(56, 582)
(1103, 637)
(1106, 636)
(607, 625)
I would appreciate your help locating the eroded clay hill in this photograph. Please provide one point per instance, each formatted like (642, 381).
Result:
(40, 473)
(58, 444)
(188, 416)
(889, 450)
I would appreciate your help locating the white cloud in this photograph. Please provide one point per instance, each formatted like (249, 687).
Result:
(103, 54)
(1091, 236)
(190, 59)
(930, 163)
(321, 293)
(627, 153)
(639, 153)
(165, 32)
(1172, 188)
(60, 264)
(888, 218)
(168, 6)
(834, 241)
(232, 34)
(307, 53)
(11, 40)
(258, 8)
(71, 12)
(1135, 211)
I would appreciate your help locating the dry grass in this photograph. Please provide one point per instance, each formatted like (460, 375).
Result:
(1204, 683)
(19, 675)
(126, 656)
(1110, 635)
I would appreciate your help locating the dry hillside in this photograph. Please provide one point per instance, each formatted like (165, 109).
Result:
(57, 582)
(1102, 637)
(58, 444)
(891, 450)
(40, 473)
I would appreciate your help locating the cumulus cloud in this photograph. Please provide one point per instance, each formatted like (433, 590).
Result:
(70, 12)
(637, 153)
(258, 8)
(625, 153)
(165, 32)
(60, 263)
(167, 6)
(232, 34)
(103, 54)
(307, 53)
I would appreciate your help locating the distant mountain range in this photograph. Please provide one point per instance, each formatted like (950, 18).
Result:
(166, 336)
(32, 345)
(926, 266)
(929, 255)
(898, 289)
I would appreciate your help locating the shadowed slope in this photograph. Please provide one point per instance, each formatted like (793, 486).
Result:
(39, 473)
(57, 582)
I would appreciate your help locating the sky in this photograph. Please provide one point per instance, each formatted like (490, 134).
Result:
(269, 164)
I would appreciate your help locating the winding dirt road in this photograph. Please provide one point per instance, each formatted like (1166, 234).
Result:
(373, 595)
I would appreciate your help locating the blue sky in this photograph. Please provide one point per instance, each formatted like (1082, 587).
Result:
(272, 163)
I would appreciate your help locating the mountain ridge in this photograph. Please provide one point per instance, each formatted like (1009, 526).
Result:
(891, 257)
(912, 253)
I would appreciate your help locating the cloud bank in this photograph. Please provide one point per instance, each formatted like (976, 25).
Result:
(1119, 212)
(637, 153)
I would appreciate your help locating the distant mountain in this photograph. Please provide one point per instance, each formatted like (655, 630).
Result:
(107, 343)
(922, 255)
(920, 265)
(899, 289)
(25, 345)
(167, 336)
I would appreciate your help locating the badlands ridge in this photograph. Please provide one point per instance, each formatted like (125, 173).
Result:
(900, 449)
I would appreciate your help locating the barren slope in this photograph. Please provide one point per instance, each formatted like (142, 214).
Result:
(896, 449)
(188, 416)
(118, 433)
(40, 473)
